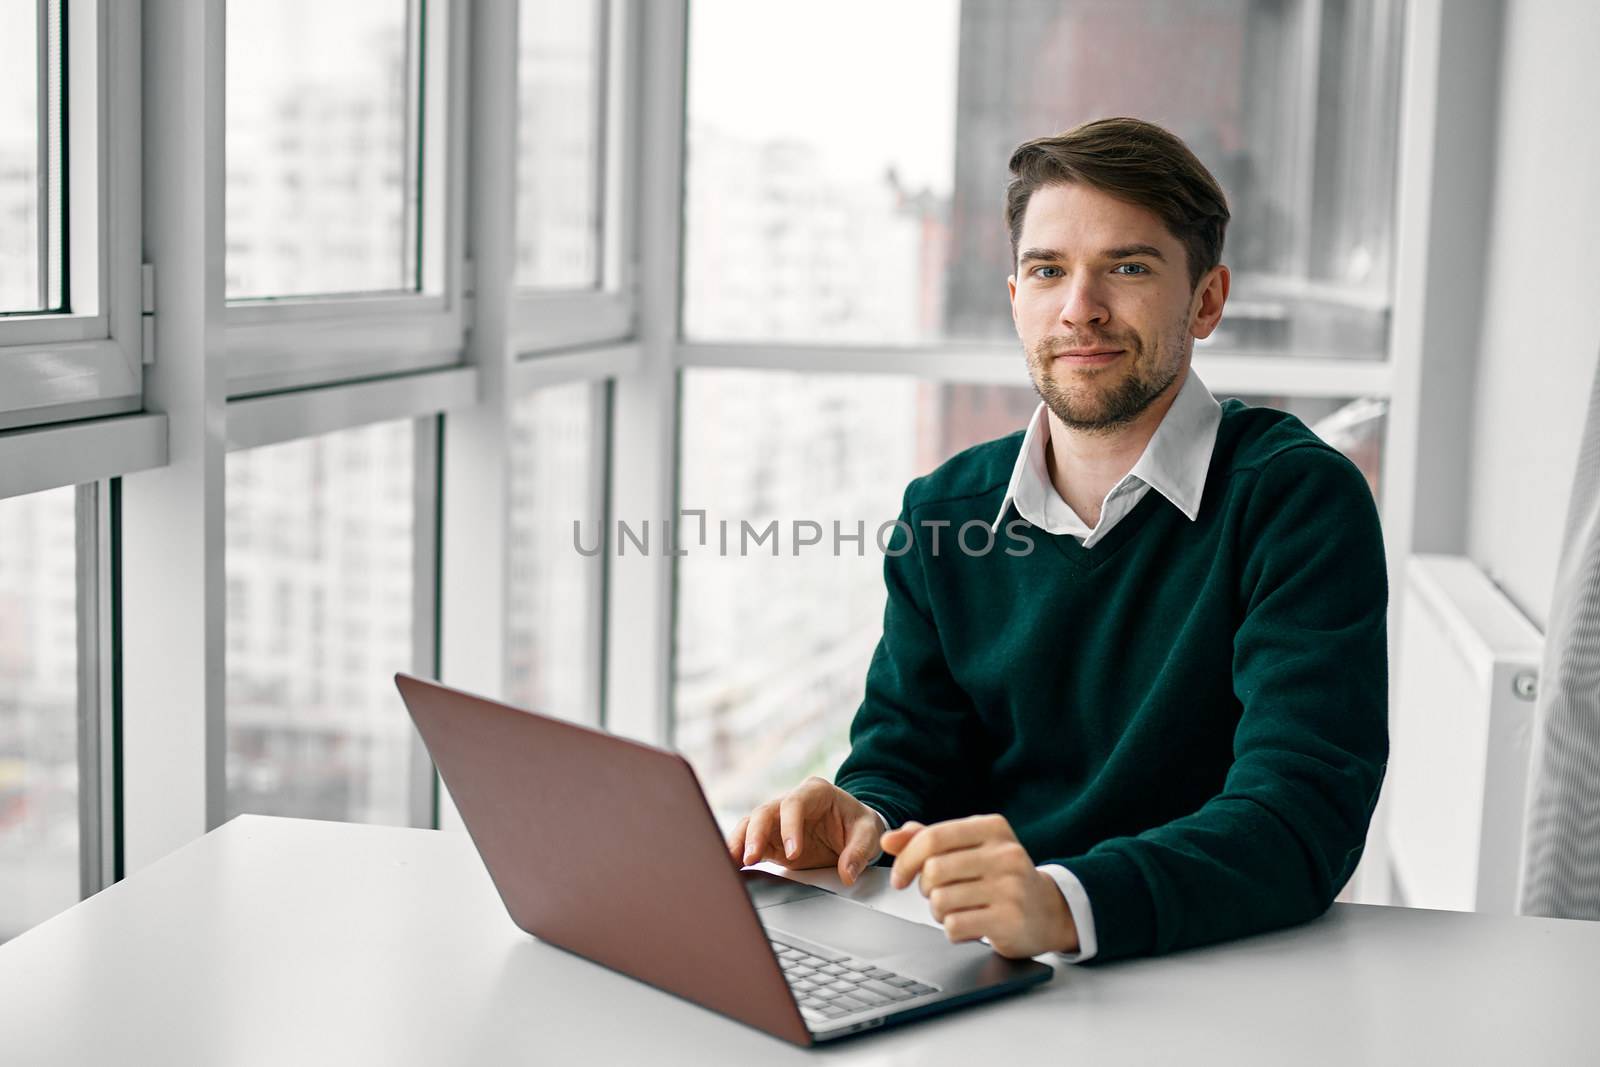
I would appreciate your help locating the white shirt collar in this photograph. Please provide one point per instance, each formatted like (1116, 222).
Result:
(1174, 463)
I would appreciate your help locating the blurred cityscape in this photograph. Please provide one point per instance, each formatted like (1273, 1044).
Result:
(321, 161)
(320, 536)
(38, 708)
(771, 652)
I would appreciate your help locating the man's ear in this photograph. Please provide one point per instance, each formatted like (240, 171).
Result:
(1011, 290)
(1212, 295)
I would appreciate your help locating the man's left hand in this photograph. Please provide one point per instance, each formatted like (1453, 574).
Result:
(980, 882)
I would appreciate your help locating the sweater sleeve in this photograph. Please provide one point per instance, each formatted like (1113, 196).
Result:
(916, 737)
(1310, 671)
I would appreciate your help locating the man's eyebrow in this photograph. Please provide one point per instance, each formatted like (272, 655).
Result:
(1129, 251)
(1120, 252)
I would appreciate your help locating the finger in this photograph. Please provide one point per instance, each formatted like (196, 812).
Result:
(736, 839)
(912, 856)
(958, 896)
(945, 837)
(973, 830)
(859, 848)
(969, 924)
(957, 865)
(757, 836)
(792, 822)
(894, 841)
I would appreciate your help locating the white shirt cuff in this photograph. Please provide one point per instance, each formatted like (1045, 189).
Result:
(1082, 913)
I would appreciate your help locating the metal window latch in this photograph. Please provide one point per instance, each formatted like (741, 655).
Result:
(147, 312)
(1525, 684)
(469, 294)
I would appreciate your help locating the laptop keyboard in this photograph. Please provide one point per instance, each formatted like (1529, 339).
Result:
(831, 988)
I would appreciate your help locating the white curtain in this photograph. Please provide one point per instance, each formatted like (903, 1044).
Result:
(1561, 848)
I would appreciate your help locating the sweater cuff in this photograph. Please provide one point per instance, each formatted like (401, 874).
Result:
(1124, 911)
(878, 855)
(1082, 913)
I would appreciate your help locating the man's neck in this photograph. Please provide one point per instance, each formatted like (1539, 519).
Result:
(1084, 465)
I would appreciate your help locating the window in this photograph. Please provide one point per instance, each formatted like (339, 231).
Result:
(32, 201)
(577, 84)
(346, 144)
(323, 154)
(866, 207)
(70, 328)
(560, 133)
(774, 638)
(554, 590)
(320, 579)
(39, 788)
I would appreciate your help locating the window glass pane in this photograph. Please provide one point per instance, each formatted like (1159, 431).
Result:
(867, 206)
(38, 709)
(31, 186)
(321, 149)
(554, 592)
(772, 650)
(319, 563)
(560, 72)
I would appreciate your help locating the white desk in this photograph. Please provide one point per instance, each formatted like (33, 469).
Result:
(277, 941)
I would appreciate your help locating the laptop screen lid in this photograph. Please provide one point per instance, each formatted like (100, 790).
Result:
(557, 811)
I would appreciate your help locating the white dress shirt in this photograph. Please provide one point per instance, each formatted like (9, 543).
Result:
(1174, 464)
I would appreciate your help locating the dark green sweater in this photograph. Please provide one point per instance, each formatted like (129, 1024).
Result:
(1189, 716)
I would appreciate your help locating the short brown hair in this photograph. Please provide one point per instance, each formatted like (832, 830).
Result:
(1132, 160)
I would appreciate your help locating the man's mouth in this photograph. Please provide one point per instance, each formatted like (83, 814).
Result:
(1086, 357)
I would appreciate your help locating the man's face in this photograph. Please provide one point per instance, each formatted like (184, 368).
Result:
(1102, 302)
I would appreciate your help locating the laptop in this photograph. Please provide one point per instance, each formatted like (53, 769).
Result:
(559, 812)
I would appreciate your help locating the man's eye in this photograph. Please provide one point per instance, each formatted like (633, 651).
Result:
(1039, 272)
(1140, 267)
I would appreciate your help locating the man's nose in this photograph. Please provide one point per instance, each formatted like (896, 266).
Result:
(1083, 303)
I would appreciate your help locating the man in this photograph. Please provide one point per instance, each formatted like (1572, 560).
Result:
(1156, 717)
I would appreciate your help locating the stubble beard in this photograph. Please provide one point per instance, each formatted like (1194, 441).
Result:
(1104, 410)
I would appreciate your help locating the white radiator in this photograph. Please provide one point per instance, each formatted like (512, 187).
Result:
(1468, 665)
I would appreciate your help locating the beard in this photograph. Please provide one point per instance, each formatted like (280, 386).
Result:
(1091, 407)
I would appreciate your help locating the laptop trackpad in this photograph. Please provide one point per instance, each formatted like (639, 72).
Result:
(850, 927)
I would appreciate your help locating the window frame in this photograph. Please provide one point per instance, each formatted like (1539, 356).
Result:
(280, 343)
(550, 320)
(89, 362)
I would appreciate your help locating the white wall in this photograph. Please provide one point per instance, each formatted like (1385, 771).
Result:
(1541, 304)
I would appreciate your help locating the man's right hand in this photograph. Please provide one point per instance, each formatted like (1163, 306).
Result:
(815, 824)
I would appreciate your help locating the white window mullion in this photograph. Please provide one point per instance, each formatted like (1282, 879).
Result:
(475, 466)
(423, 792)
(173, 593)
(644, 423)
(97, 828)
